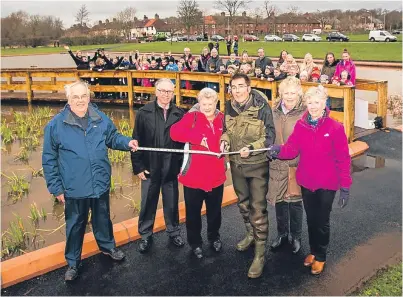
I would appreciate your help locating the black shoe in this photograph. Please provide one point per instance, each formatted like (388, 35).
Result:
(145, 245)
(115, 254)
(216, 245)
(198, 252)
(71, 274)
(279, 241)
(296, 245)
(178, 241)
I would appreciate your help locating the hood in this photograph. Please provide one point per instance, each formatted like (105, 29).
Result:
(196, 107)
(92, 113)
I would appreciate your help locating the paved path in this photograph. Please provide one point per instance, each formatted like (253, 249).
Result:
(365, 236)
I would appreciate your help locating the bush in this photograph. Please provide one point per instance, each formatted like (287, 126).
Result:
(84, 40)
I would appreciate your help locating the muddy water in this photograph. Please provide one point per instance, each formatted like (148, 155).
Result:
(127, 188)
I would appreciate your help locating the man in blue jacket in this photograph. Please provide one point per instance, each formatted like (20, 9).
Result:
(78, 173)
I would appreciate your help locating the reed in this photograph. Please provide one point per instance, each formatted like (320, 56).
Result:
(117, 157)
(14, 238)
(36, 213)
(7, 135)
(17, 186)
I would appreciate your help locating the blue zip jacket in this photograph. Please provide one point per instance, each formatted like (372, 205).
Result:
(75, 161)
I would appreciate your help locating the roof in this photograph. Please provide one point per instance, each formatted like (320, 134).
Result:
(291, 19)
(209, 20)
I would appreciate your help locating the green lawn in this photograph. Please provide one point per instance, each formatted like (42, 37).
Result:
(359, 51)
(387, 282)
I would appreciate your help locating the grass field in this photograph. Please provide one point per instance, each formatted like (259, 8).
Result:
(359, 51)
(387, 282)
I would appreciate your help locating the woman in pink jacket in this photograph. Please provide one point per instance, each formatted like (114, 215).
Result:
(324, 168)
(346, 64)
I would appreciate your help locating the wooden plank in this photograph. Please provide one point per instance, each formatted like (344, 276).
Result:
(349, 112)
(367, 86)
(54, 88)
(13, 87)
(337, 115)
(383, 101)
(28, 86)
(17, 73)
(53, 82)
(9, 82)
(130, 88)
(107, 88)
(102, 74)
(148, 90)
(53, 74)
(177, 91)
(205, 77)
(372, 108)
(221, 94)
(5, 74)
(189, 93)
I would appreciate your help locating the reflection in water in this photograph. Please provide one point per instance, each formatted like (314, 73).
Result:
(365, 161)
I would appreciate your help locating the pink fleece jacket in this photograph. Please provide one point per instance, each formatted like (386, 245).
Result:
(346, 65)
(324, 158)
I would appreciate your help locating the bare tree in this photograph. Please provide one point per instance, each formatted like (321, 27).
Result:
(323, 18)
(125, 21)
(174, 25)
(231, 7)
(294, 10)
(271, 11)
(189, 14)
(82, 15)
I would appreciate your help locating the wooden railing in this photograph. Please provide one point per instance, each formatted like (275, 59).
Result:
(40, 80)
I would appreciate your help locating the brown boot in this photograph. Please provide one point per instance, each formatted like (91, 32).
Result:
(248, 241)
(317, 267)
(257, 266)
(309, 260)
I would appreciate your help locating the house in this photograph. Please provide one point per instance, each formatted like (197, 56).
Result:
(289, 23)
(149, 27)
(107, 28)
(77, 30)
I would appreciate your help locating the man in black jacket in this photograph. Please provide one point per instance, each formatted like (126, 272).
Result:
(262, 61)
(158, 171)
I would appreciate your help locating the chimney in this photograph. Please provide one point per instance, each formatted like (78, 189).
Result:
(100, 22)
(156, 16)
(107, 21)
(244, 14)
(223, 14)
(114, 20)
(145, 18)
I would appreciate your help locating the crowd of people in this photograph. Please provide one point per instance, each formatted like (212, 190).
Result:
(271, 161)
(332, 71)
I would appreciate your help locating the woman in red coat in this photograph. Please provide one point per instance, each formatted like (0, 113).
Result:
(202, 176)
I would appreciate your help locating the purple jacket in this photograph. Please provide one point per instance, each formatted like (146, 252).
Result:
(349, 66)
(324, 157)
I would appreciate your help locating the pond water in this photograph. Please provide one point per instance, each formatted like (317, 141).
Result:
(51, 230)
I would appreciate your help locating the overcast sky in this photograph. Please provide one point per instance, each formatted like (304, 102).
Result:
(101, 10)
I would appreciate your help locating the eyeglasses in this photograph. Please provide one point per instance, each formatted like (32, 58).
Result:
(166, 92)
(235, 88)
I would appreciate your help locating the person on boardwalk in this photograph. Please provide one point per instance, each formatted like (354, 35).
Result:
(324, 168)
(286, 196)
(202, 176)
(158, 171)
(78, 173)
(249, 125)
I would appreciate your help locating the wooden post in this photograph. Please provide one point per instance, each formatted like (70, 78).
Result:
(382, 106)
(131, 116)
(273, 91)
(130, 88)
(349, 112)
(221, 94)
(178, 99)
(9, 81)
(53, 82)
(28, 81)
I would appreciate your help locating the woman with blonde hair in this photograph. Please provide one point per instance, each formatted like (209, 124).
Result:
(323, 169)
(289, 60)
(288, 203)
(308, 65)
(202, 176)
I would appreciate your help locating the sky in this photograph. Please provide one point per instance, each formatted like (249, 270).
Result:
(101, 9)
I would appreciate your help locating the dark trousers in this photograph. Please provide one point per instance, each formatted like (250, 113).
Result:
(250, 183)
(76, 216)
(194, 201)
(289, 219)
(318, 205)
(150, 193)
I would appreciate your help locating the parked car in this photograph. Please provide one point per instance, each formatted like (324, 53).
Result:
(174, 39)
(202, 37)
(380, 35)
(272, 38)
(248, 37)
(192, 38)
(290, 37)
(337, 36)
(311, 37)
(217, 38)
(397, 32)
(150, 39)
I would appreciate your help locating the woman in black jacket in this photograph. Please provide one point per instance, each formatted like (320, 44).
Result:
(329, 65)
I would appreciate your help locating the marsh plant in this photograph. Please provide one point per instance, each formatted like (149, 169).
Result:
(117, 157)
(37, 214)
(14, 238)
(18, 186)
(23, 155)
(7, 135)
(124, 128)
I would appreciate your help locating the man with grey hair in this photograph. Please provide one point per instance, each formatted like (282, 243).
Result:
(158, 171)
(78, 173)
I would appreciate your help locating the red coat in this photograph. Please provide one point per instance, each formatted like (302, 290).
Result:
(200, 171)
